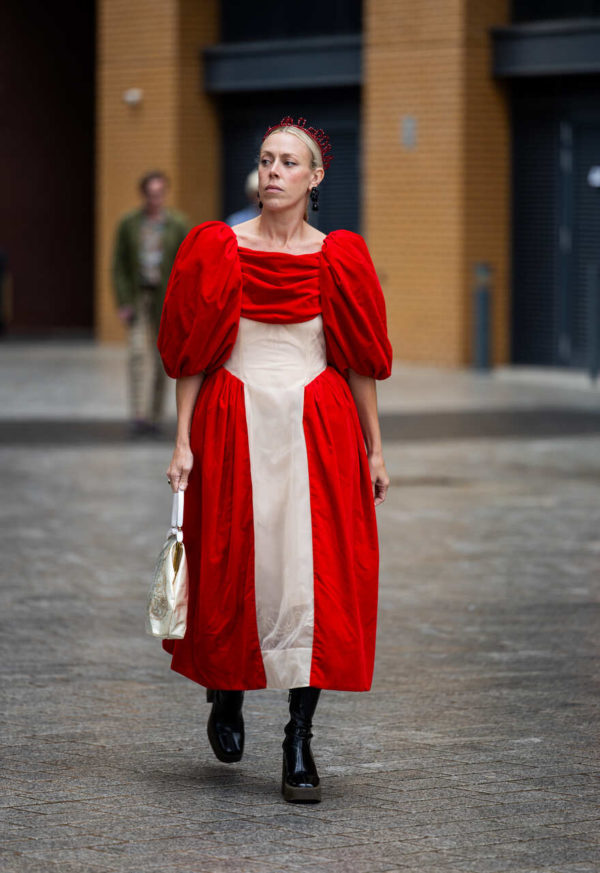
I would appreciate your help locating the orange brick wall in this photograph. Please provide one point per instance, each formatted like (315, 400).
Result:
(153, 45)
(425, 216)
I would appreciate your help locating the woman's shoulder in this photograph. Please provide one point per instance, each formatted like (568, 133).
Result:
(207, 238)
(245, 233)
(342, 237)
(345, 246)
(213, 229)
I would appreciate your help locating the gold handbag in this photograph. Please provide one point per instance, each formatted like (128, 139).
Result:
(166, 609)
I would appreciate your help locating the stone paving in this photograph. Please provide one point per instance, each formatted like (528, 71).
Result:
(477, 749)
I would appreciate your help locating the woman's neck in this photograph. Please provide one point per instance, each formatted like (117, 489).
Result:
(280, 230)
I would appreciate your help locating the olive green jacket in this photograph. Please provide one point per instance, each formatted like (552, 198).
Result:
(125, 265)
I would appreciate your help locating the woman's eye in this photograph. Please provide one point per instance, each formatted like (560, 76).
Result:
(291, 163)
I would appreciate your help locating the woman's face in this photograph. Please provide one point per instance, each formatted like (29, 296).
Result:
(284, 173)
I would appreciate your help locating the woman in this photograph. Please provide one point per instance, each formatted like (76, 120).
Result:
(275, 334)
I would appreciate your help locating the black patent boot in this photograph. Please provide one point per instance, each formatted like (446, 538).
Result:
(300, 781)
(225, 726)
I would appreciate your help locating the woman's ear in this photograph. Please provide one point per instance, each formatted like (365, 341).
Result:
(317, 177)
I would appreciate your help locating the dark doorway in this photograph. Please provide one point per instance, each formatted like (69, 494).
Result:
(586, 234)
(556, 218)
(47, 62)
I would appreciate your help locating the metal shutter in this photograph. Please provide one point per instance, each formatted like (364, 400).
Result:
(586, 236)
(535, 231)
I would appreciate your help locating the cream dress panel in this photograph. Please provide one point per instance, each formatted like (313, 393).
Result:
(276, 362)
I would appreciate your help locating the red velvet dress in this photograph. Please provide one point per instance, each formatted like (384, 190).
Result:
(280, 527)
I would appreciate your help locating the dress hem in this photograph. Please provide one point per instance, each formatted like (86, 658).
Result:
(255, 687)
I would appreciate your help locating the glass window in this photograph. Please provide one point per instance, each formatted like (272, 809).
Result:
(274, 19)
(543, 10)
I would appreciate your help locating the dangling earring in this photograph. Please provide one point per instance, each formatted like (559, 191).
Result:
(314, 196)
(259, 200)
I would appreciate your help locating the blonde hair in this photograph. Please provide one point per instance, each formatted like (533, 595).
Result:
(316, 158)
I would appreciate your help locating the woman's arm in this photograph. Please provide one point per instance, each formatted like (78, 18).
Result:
(186, 393)
(364, 391)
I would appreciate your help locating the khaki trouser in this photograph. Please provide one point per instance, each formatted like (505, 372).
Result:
(147, 378)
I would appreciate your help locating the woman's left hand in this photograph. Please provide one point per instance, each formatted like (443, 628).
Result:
(379, 477)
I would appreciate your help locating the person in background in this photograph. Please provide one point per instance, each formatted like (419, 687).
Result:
(147, 240)
(251, 210)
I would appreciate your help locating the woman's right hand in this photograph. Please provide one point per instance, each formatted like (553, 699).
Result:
(180, 467)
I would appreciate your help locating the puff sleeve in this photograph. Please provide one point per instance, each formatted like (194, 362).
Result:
(201, 312)
(353, 307)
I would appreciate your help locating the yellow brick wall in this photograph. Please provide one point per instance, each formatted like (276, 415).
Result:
(153, 45)
(424, 218)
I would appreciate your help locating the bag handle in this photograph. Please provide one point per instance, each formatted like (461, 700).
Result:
(177, 515)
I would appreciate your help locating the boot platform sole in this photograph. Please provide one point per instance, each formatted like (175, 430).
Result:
(297, 794)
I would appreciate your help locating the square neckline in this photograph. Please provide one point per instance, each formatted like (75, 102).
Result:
(288, 254)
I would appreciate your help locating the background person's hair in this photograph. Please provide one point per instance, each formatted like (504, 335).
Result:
(251, 186)
(148, 177)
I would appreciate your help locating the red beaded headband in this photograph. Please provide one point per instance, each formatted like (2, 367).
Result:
(319, 136)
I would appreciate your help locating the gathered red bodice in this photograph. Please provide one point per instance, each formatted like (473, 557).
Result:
(214, 281)
(278, 287)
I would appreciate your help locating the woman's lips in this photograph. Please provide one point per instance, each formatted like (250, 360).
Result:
(273, 188)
